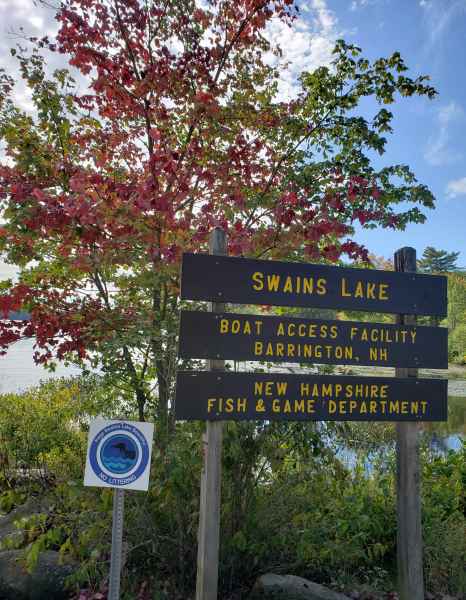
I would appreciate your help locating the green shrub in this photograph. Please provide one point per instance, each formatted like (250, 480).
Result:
(288, 503)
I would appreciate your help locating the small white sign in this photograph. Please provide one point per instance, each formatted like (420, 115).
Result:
(118, 454)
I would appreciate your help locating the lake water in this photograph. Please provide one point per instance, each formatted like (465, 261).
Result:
(19, 372)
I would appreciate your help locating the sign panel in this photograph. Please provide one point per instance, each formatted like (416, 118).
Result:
(118, 454)
(249, 281)
(284, 339)
(275, 396)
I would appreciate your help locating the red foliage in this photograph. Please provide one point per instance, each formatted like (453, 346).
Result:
(169, 141)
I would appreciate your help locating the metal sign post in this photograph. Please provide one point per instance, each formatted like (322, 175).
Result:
(118, 457)
(117, 543)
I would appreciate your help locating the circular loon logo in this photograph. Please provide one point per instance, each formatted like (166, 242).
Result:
(119, 454)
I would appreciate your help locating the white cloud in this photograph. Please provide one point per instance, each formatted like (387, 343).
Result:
(306, 45)
(20, 19)
(358, 4)
(456, 187)
(36, 21)
(438, 151)
(8, 271)
(355, 4)
(439, 14)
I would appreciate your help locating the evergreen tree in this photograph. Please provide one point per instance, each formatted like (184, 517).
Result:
(437, 261)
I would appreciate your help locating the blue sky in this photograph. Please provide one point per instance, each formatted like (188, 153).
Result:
(428, 135)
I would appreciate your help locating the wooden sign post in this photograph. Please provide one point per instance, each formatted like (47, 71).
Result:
(211, 478)
(409, 529)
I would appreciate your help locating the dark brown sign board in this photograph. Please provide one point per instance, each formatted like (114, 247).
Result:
(284, 339)
(275, 396)
(264, 282)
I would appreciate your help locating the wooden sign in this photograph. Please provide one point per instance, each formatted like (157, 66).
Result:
(283, 339)
(249, 281)
(276, 396)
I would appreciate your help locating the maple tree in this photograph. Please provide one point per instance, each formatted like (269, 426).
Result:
(181, 129)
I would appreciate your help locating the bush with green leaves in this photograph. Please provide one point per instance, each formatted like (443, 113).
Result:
(290, 504)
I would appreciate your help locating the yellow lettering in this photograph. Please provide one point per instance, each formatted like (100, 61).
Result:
(282, 387)
(223, 325)
(394, 406)
(273, 282)
(359, 292)
(371, 291)
(321, 287)
(241, 405)
(326, 389)
(288, 287)
(260, 405)
(299, 405)
(383, 291)
(258, 279)
(344, 291)
(308, 286)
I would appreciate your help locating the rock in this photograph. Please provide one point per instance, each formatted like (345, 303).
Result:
(47, 581)
(33, 505)
(289, 587)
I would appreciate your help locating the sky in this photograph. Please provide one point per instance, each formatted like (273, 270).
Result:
(429, 136)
